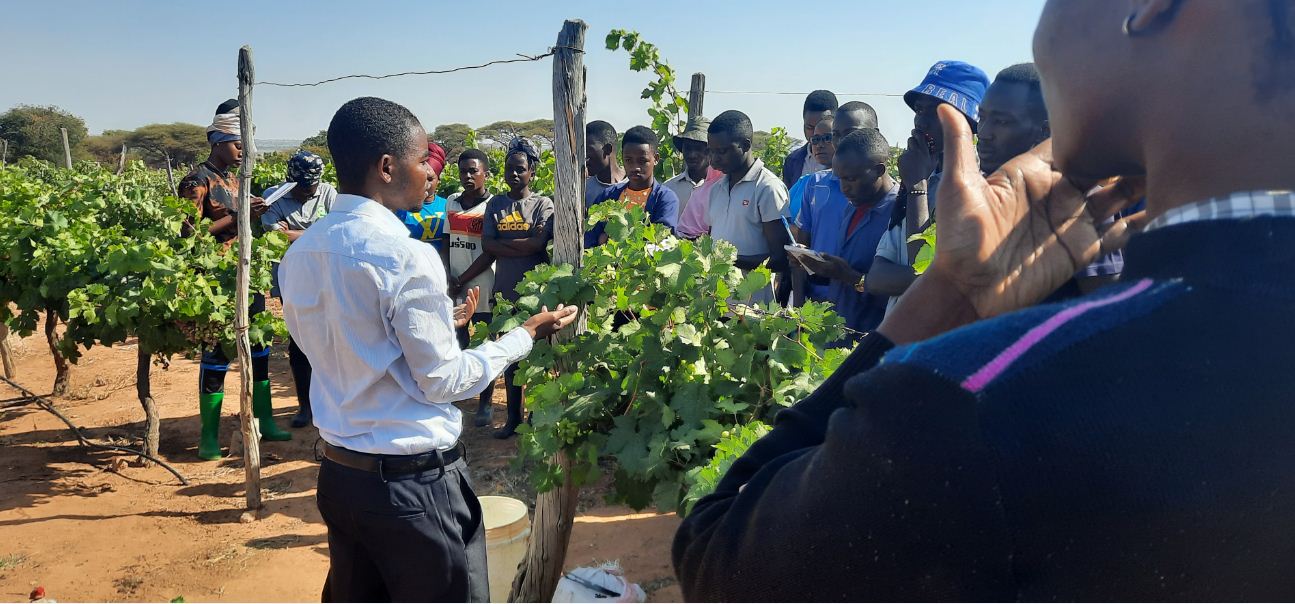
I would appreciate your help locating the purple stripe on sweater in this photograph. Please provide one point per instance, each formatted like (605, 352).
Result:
(1004, 360)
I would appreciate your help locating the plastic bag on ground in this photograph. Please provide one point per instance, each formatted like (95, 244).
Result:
(605, 583)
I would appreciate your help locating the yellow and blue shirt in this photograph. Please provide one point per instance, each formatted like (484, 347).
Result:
(427, 224)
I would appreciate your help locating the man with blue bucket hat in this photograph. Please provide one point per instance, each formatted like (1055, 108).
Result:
(954, 83)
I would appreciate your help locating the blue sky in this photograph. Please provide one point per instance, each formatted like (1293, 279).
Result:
(123, 64)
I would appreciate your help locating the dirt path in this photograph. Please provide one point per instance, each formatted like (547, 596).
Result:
(91, 526)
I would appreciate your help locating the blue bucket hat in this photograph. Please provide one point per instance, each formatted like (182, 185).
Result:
(956, 83)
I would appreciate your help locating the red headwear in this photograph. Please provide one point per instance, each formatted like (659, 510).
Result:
(436, 157)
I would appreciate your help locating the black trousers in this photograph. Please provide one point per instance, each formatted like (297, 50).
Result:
(300, 366)
(405, 538)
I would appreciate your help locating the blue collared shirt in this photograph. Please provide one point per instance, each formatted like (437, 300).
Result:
(368, 305)
(825, 215)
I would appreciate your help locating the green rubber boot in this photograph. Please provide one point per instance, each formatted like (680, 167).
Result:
(209, 413)
(264, 412)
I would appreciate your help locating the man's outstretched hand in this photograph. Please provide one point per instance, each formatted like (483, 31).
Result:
(463, 312)
(548, 322)
(1008, 240)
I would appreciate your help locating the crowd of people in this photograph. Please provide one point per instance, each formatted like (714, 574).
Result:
(1005, 427)
(835, 208)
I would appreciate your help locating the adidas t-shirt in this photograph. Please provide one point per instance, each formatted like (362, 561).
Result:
(508, 218)
(464, 228)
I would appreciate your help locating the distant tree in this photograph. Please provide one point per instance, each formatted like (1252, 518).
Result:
(538, 131)
(453, 137)
(318, 140)
(181, 143)
(106, 148)
(318, 144)
(34, 131)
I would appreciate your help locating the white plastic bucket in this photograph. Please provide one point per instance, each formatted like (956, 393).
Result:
(508, 529)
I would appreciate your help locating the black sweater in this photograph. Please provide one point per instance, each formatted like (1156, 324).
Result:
(1137, 444)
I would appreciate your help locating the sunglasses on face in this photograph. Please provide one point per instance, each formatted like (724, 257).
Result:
(821, 139)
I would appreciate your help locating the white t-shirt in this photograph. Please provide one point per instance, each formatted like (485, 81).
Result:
(464, 228)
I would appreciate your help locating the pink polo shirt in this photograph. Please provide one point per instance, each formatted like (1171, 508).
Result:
(693, 222)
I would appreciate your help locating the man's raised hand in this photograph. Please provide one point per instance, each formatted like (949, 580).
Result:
(1007, 240)
(463, 312)
(548, 322)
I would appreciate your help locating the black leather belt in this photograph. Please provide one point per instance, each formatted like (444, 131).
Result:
(386, 465)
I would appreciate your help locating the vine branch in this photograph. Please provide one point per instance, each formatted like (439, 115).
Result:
(45, 404)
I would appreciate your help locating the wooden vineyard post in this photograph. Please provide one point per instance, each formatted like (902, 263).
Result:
(121, 165)
(251, 432)
(67, 150)
(4, 152)
(6, 352)
(538, 574)
(170, 177)
(696, 96)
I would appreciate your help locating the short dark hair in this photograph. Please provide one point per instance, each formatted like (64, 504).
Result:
(600, 133)
(820, 101)
(869, 119)
(641, 135)
(1027, 75)
(732, 123)
(867, 143)
(365, 129)
(476, 154)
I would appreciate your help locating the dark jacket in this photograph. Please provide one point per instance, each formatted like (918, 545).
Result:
(662, 207)
(794, 165)
(1131, 445)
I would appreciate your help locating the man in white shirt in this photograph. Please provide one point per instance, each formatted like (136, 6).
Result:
(368, 306)
(748, 205)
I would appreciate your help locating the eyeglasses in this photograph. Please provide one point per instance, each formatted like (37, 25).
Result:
(820, 139)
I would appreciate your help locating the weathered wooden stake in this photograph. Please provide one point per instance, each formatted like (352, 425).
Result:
(538, 574)
(121, 165)
(4, 154)
(6, 352)
(251, 432)
(170, 178)
(696, 95)
(67, 150)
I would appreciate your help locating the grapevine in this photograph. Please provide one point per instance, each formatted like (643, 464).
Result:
(667, 364)
(110, 257)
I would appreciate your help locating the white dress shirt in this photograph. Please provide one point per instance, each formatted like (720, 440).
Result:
(367, 304)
